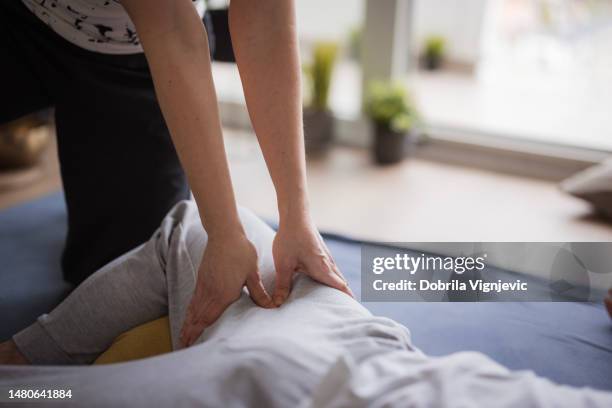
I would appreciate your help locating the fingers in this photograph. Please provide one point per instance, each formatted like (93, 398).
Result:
(347, 288)
(199, 317)
(324, 271)
(190, 314)
(258, 292)
(335, 269)
(282, 286)
(337, 281)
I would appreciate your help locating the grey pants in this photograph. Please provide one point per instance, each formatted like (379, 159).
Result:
(151, 281)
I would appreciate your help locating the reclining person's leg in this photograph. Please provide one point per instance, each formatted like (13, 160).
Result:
(129, 291)
(153, 280)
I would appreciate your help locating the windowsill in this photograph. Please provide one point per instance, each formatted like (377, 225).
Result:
(469, 120)
(546, 110)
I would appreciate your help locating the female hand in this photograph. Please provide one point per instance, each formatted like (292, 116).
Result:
(298, 248)
(229, 263)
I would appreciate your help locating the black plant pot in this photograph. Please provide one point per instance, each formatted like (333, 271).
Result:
(318, 130)
(431, 62)
(389, 146)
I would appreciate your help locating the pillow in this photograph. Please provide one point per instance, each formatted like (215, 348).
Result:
(147, 340)
(593, 185)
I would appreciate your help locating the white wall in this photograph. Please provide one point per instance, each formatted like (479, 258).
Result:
(328, 19)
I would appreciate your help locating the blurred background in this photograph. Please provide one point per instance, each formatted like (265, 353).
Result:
(425, 120)
(506, 99)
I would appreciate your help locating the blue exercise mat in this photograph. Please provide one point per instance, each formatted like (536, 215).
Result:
(31, 241)
(569, 343)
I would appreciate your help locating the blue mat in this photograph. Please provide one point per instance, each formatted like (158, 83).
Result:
(570, 343)
(31, 241)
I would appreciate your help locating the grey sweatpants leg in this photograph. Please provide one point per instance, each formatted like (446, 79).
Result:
(123, 294)
(151, 281)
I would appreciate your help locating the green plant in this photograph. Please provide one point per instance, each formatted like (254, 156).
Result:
(435, 46)
(355, 40)
(388, 104)
(320, 73)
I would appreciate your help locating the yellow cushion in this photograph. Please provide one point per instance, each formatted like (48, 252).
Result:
(147, 340)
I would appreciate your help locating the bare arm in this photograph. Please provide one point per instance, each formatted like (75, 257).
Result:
(175, 43)
(265, 43)
(264, 39)
(176, 47)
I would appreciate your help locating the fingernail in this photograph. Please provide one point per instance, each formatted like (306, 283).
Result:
(278, 300)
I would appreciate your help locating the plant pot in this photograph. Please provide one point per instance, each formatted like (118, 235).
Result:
(318, 130)
(389, 146)
(432, 62)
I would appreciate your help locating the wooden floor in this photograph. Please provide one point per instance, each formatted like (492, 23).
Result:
(420, 200)
(413, 202)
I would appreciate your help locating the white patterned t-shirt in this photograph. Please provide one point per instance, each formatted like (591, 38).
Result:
(96, 25)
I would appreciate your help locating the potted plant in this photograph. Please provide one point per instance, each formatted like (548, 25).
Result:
(354, 43)
(318, 120)
(394, 116)
(433, 53)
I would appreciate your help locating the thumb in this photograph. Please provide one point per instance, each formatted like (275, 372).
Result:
(257, 291)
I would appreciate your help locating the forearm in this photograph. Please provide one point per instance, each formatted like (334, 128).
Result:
(265, 44)
(176, 48)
